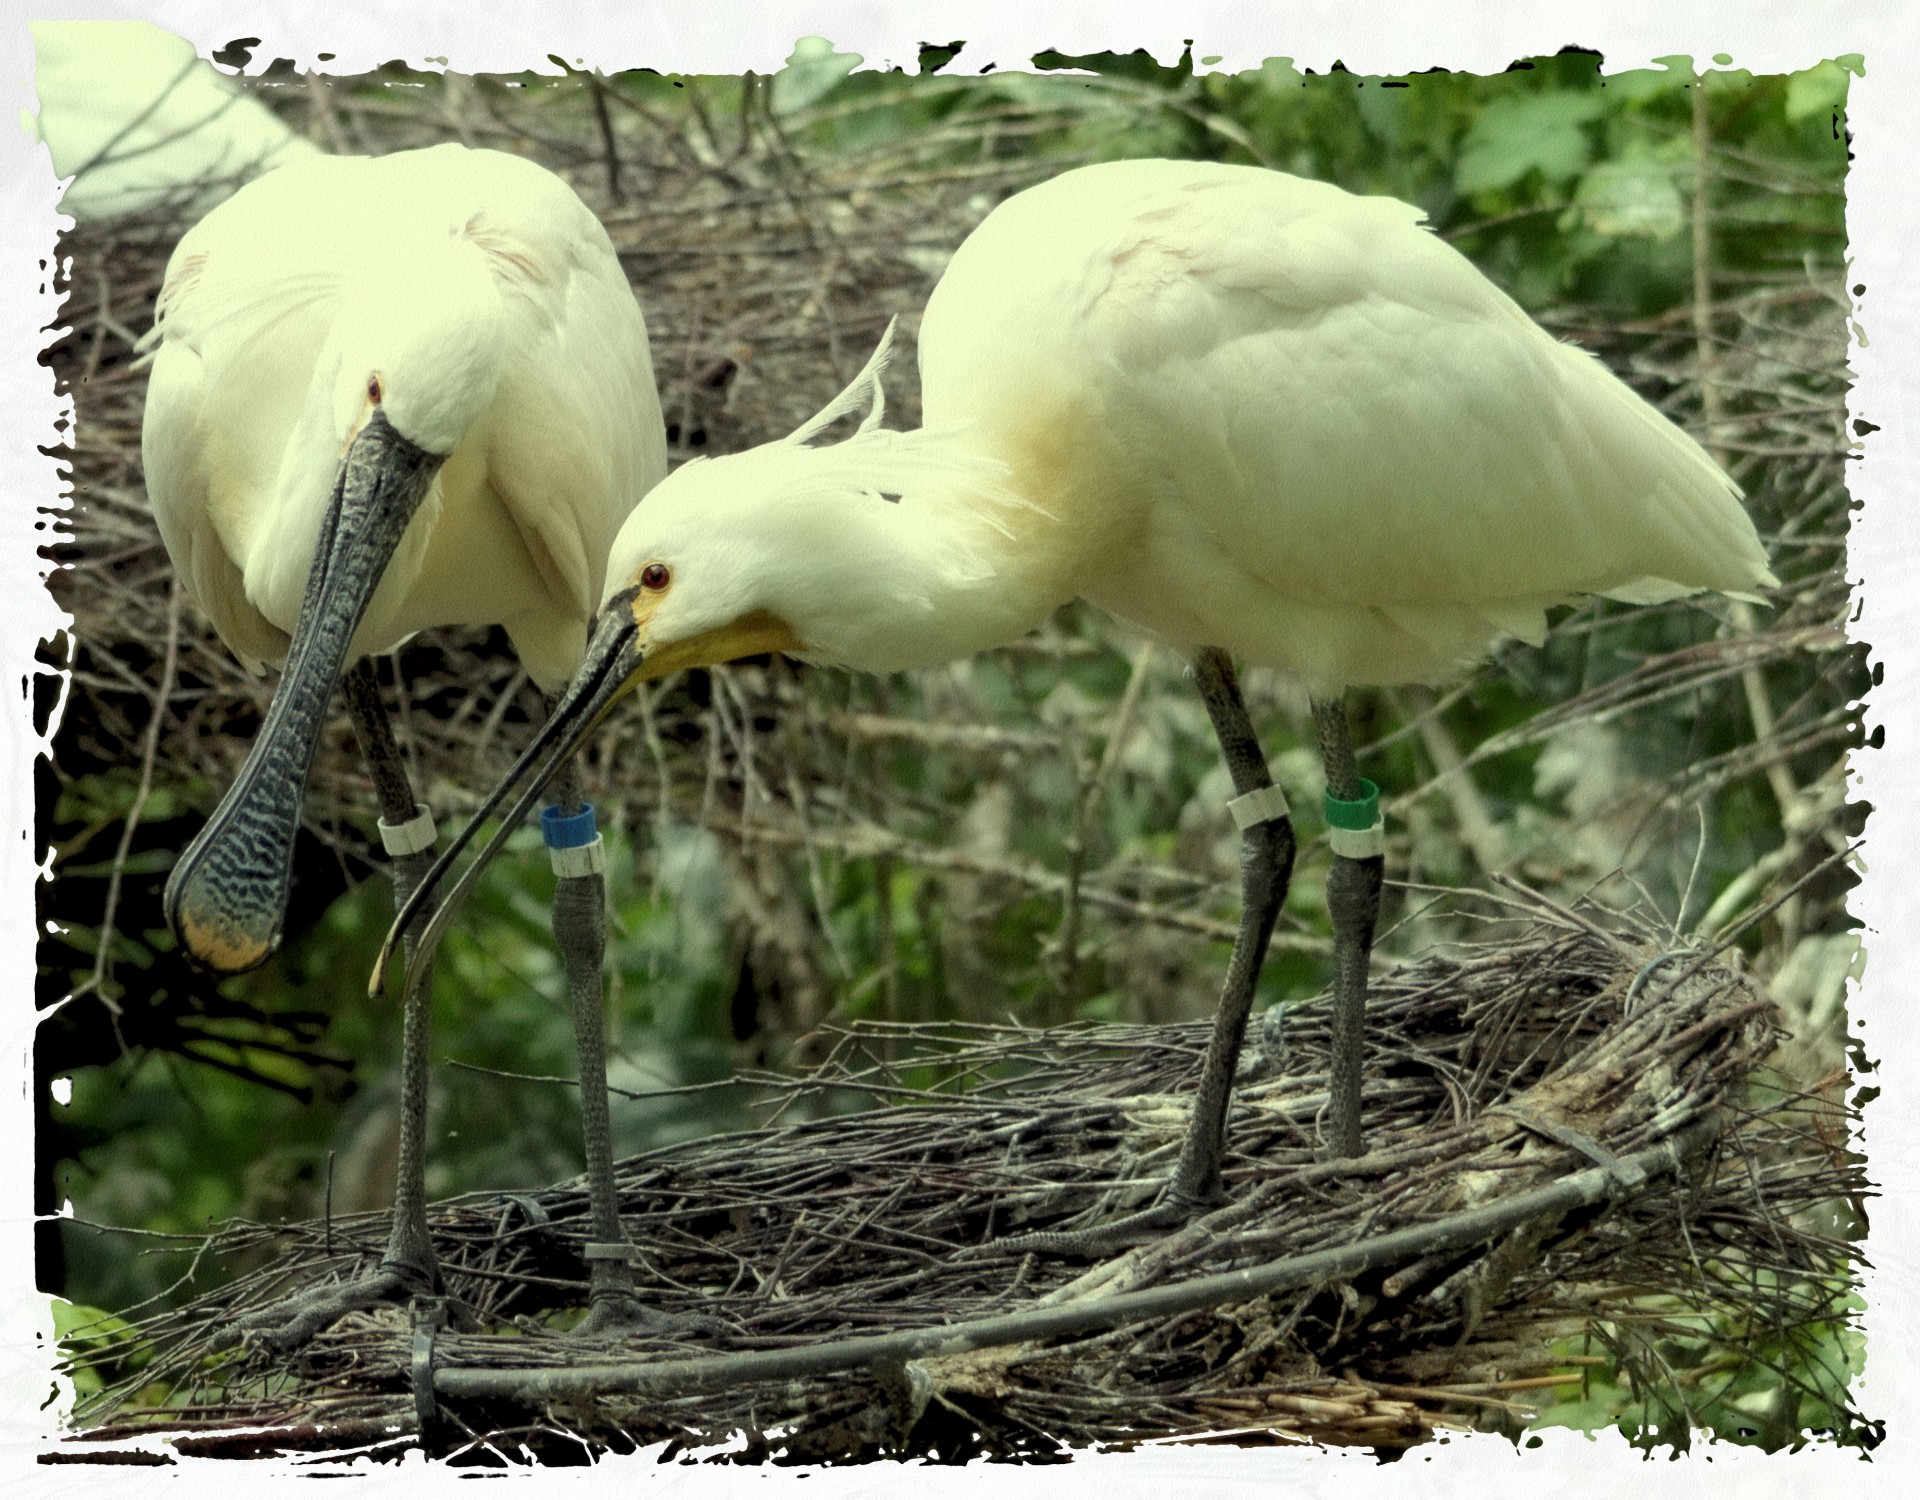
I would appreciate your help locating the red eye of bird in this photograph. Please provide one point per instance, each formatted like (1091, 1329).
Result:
(655, 576)
(373, 389)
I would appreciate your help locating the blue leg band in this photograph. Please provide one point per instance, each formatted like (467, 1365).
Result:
(568, 833)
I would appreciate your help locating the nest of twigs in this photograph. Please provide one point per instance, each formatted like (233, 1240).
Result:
(1556, 1122)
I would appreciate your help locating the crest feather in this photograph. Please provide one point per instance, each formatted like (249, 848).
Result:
(864, 389)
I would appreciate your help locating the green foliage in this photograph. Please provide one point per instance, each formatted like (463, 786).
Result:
(1519, 136)
(81, 1331)
(1672, 1373)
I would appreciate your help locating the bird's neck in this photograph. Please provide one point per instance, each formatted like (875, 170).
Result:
(1006, 584)
(432, 333)
(285, 535)
(1068, 505)
(933, 570)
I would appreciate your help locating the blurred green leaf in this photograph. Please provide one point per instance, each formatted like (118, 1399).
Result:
(1820, 89)
(1634, 198)
(1638, 85)
(813, 71)
(1542, 133)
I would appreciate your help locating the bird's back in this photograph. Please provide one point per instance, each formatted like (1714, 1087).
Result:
(1301, 426)
(571, 442)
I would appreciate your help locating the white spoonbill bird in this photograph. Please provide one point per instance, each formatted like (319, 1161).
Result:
(1255, 415)
(393, 393)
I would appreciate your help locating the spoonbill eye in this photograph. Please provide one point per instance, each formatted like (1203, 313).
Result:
(655, 576)
(373, 389)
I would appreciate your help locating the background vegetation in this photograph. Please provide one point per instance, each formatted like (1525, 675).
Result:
(1033, 833)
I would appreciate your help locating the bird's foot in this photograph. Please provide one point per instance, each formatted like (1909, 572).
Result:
(622, 1315)
(615, 1310)
(295, 1321)
(1175, 1209)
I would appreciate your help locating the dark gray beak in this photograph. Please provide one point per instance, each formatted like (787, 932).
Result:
(605, 674)
(227, 897)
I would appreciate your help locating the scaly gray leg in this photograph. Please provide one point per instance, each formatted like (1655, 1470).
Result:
(1353, 901)
(408, 1268)
(580, 933)
(1266, 869)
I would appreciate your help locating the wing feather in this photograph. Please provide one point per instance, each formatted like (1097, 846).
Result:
(1339, 399)
(175, 456)
(582, 438)
(1365, 419)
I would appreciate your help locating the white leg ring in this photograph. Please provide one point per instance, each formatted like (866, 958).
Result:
(1359, 843)
(1267, 804)
(582, 859)
(414, 836)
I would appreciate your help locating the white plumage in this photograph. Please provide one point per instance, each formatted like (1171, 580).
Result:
(420, 381)
(490, 302)
(1234, 407)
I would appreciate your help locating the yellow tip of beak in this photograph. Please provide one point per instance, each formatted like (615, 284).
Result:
(222, 946)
